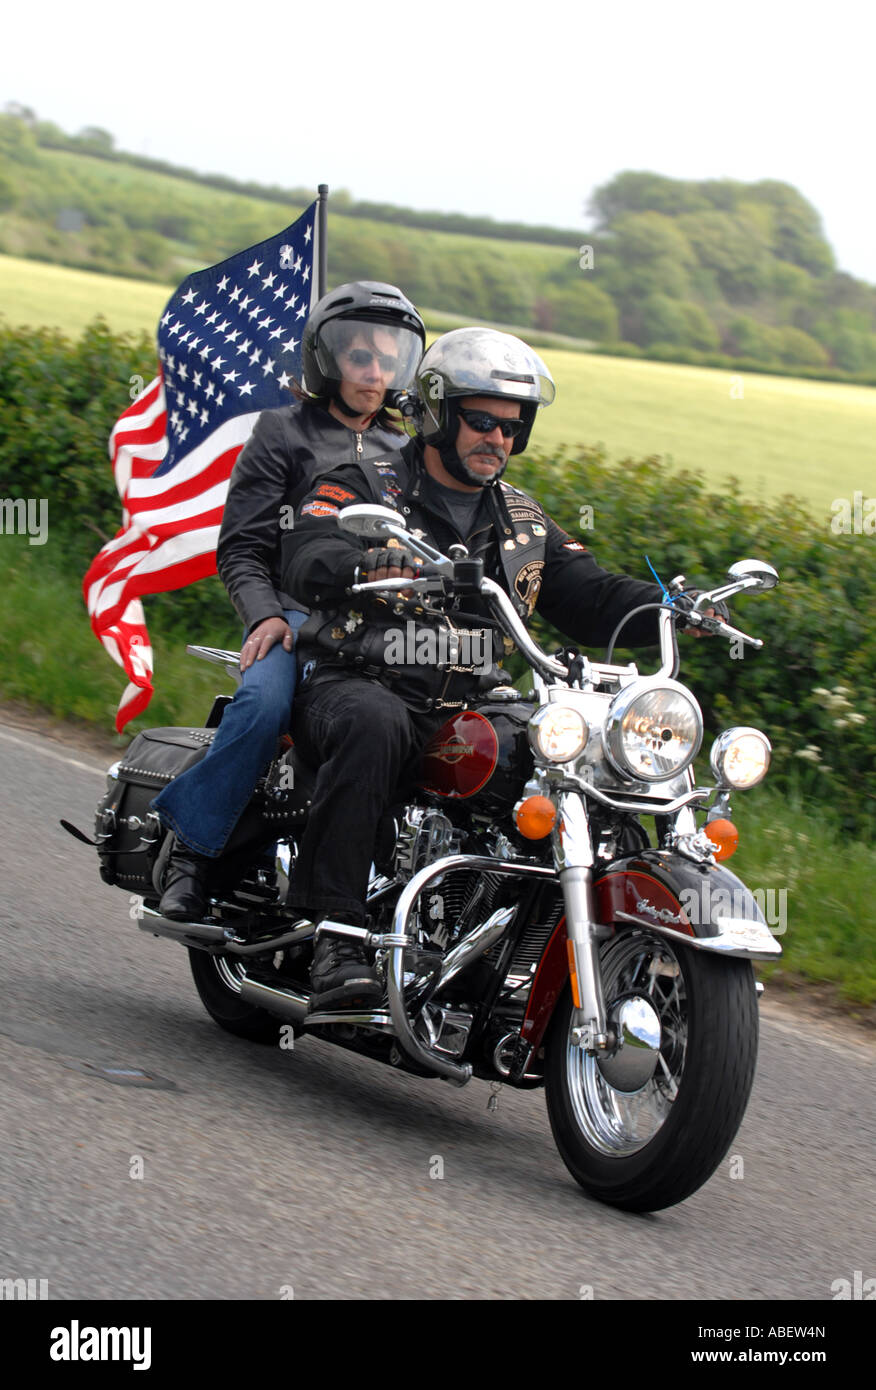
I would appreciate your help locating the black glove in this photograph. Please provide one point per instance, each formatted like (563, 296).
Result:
(388, 557)
(683, 603)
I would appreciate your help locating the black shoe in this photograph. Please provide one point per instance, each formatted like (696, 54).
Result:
(342, 977)
(185, 892)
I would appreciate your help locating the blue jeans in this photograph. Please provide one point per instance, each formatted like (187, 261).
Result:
(202, 806)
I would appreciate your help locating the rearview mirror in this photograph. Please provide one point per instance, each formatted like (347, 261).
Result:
(758, 573)
(365, 519)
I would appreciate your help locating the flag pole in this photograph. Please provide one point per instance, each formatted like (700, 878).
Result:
(321, 212)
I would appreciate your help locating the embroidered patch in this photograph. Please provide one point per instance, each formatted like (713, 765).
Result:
(574, 545)
(337, 494)
(528, 582)
(384, 468)
(520, 514)
(319, 509)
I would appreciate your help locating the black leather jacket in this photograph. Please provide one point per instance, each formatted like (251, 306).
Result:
(537, 563)
(288, 449)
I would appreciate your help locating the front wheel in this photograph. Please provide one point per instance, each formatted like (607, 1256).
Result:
(218, 980)
(646, 1145)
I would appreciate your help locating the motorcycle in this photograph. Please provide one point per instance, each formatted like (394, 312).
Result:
(527, 930)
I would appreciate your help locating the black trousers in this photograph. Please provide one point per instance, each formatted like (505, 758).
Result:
(365, 742)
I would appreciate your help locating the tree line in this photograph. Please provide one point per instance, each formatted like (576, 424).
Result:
(717, 272)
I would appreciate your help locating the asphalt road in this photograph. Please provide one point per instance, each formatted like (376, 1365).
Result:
(310, 1171)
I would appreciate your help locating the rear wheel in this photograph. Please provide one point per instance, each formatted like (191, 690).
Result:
(218, 980)
(643, 1144)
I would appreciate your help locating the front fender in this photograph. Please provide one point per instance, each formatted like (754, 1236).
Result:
(703, 906)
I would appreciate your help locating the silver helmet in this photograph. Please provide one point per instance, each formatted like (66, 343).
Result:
(479, 362)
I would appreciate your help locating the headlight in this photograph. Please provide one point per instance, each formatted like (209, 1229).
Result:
(740, 758)
(558, 733)
(653, 731)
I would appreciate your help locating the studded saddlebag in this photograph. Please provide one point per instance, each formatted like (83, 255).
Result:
(128, 833)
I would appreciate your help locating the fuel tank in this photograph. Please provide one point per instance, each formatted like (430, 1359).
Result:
(481, 756)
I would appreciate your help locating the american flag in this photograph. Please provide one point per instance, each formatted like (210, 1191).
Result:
(229, 346)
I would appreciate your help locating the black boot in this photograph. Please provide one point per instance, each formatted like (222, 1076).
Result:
(341, 975)
(185, 892)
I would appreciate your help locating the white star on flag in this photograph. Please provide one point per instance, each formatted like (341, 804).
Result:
(172, 477)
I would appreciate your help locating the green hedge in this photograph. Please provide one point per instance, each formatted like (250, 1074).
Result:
(812, 688)
(58, 403)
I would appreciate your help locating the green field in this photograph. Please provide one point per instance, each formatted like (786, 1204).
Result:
(38, 293)
(777, 435)
(812, 439)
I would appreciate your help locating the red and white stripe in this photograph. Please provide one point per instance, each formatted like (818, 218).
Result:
(170, 530)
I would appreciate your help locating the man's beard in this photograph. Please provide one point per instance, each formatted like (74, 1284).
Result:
(458, 468)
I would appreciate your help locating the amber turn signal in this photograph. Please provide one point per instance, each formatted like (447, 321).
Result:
(724, 836)
(535, 817)
(573, 974)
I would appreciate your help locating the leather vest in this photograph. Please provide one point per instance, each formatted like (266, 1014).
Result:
(426, 659)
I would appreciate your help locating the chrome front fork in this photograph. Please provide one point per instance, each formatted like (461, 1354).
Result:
(573, 851)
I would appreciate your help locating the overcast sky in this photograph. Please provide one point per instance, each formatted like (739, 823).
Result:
(516, 110)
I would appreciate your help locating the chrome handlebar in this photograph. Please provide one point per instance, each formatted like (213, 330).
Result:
(370, 520)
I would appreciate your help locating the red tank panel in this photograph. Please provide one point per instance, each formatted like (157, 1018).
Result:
(461, 756)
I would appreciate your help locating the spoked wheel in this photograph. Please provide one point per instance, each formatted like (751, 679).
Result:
(646, 1127)
(218, 980)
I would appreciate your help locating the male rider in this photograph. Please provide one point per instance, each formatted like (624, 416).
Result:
(361, 716)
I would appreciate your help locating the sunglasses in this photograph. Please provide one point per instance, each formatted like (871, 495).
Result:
(483, 423)
(363, 357)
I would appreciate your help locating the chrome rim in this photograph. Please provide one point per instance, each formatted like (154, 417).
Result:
(619, 1123)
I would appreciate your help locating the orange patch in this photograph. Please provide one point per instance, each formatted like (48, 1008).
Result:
(319, 509)
(337, 494)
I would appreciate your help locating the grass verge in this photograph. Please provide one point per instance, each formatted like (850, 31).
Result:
(50, 658)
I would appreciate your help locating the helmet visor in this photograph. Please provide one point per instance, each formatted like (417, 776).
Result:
(537, 383)
(362, 351)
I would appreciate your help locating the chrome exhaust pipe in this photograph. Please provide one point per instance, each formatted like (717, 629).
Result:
(272, 943)
(186, 933)
(289, 1004)
(474, 945)
(206, 934)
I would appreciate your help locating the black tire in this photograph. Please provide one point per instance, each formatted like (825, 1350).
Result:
(215, 978)
(649, 1150)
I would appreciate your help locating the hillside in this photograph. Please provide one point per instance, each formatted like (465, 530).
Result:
(713, 272)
